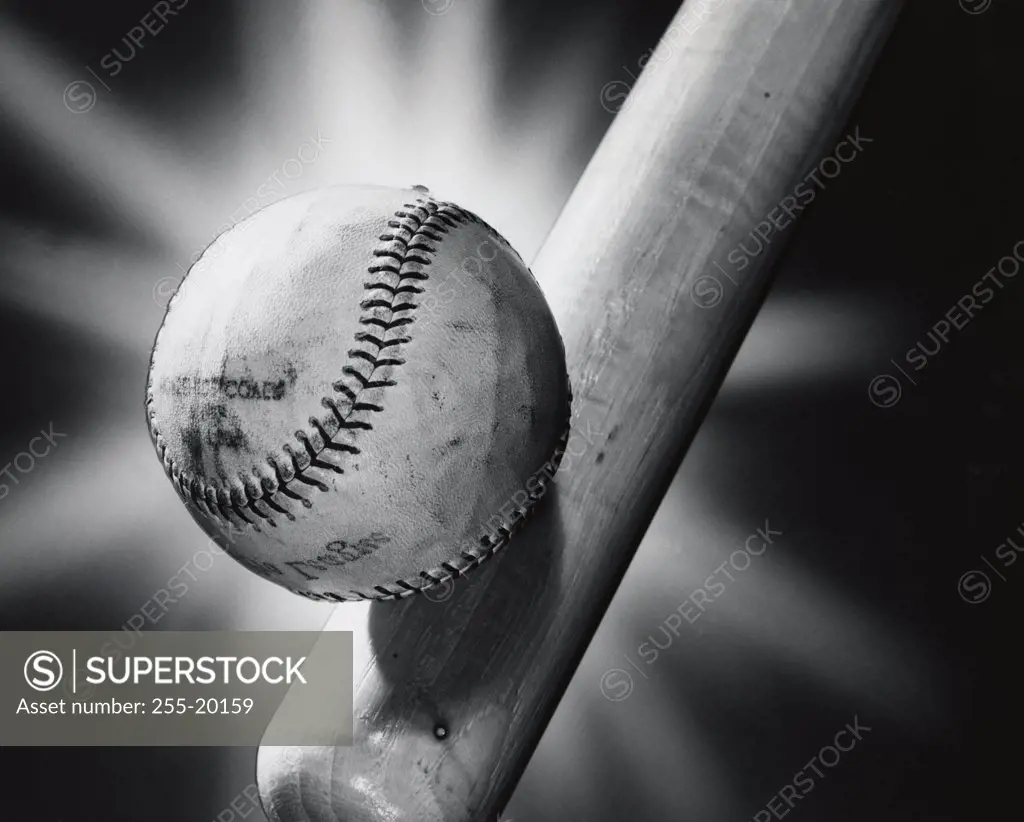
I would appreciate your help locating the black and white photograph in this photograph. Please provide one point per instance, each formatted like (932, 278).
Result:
(511, 411)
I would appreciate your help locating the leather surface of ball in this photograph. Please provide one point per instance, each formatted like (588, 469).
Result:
(359, 392)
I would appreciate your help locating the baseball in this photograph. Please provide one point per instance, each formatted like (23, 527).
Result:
(359, 392)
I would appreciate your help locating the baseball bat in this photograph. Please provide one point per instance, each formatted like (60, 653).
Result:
(740, 100)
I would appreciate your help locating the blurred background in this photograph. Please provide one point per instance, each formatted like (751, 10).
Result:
(883, 597)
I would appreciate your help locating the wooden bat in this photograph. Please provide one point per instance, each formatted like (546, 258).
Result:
(740, 100)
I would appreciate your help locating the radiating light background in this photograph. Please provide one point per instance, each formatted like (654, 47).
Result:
(114, 187)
